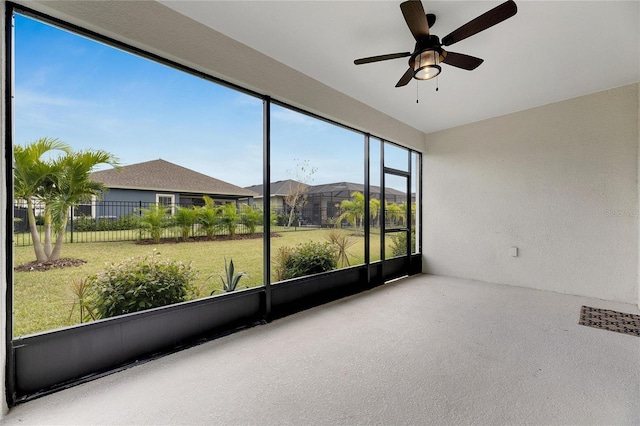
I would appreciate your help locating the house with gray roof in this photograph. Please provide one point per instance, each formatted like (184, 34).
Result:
(278, 191)
(159, 181)
(323, 200)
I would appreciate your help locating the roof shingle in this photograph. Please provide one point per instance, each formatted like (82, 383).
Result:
(161, 175)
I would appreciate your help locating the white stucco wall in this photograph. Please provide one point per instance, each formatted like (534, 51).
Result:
(558, 182)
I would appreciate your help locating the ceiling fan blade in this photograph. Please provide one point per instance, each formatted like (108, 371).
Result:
(413, 13)
(381, 58)
(486, 20)
(461, 60)
(406, 78)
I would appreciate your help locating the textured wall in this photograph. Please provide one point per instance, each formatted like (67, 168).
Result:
(559, 182)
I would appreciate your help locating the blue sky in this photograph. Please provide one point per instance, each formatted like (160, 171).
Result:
(94, 96)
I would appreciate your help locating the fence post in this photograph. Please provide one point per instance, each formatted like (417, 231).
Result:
(71, 240)
(139, 216)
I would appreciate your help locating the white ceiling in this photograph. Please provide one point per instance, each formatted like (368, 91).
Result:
(549, 51)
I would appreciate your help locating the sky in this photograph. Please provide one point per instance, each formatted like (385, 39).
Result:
(93, 96)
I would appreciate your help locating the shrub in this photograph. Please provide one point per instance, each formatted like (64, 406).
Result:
(122, 223)
(399, 243)
(280, 219)
(310, 258)
(251, 217)
(141, 283)
(84, 223)
(279, 262)
(130, 221)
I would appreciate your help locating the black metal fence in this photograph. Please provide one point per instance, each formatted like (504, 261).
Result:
(129, 221)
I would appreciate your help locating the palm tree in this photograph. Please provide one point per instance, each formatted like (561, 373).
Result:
(30, 174)
(185, 218)
(207, 216)
(228, 218)
(394, 214)
(353, 209)
(60, 183)
(71, 186)
(403, 206)
(251, 217)
(374, 211)
(155, 219)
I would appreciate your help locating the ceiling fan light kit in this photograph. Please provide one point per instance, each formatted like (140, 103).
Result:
(425, 65)
(424, 61)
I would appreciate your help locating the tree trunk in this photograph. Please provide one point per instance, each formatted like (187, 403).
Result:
(35, 237)
(47, 233)
(57, 249)
(291, 213)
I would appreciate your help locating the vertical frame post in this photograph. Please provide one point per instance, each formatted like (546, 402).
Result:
(408, 202)
(367, 208)
(266, 203)
(383, 212)
(7, 107)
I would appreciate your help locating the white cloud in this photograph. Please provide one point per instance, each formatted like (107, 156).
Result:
(30, 99)
(292, 117)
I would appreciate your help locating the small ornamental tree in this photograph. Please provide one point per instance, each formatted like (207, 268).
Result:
(296, 196)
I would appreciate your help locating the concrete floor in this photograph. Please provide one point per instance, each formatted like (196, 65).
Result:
(423, 350)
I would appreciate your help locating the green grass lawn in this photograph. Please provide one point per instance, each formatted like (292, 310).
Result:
(42, 300)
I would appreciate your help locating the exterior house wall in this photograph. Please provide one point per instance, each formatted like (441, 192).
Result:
(558, 182)
(123, 202)
(131, 195)
(277, 201)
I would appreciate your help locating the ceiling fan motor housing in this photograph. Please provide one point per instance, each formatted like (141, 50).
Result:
(428, 43)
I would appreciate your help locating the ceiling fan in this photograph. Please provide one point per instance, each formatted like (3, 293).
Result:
(428, 52)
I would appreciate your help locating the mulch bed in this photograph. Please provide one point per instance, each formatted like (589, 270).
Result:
(204, 238)
(36, 266)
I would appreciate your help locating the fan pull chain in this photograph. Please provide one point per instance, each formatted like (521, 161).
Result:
(437, 82)
(417, 93)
